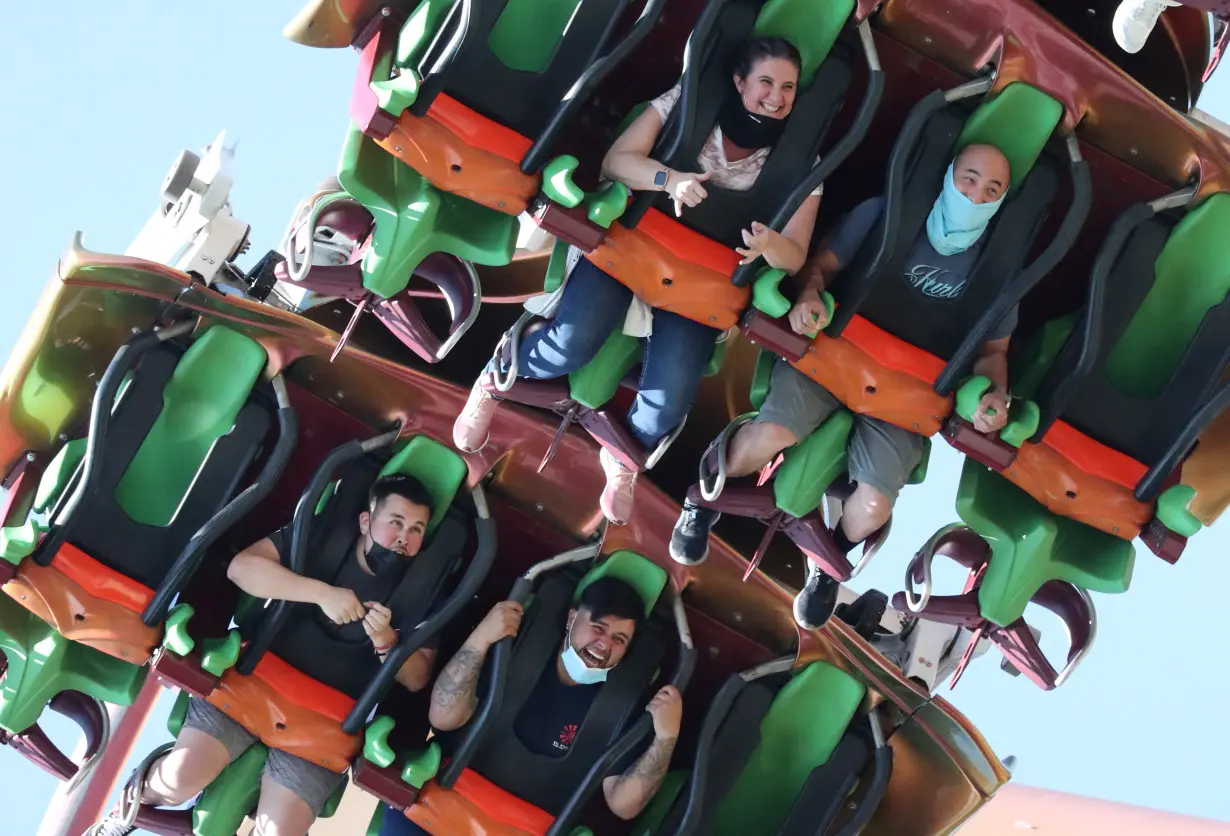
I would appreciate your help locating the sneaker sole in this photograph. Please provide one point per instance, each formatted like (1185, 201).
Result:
(687, 561)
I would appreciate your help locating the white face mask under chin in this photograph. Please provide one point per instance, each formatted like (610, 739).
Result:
(578, 671)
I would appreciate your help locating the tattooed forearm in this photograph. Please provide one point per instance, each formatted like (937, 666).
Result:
(628, 794)
(453, 698)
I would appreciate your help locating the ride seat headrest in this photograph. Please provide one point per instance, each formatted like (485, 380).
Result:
(647, 578)
(440, 470)
(1018, 121)
(812, 27)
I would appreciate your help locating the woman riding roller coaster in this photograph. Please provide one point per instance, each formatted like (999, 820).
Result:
(677, 349)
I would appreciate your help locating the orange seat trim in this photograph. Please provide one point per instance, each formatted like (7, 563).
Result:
(1066, 488)
(670, 281)
(868, 387)
(101, 581)
(285, 722)
(477, 807)
(1093, 457)
(451, 164)
(688, 243)
(78, 614)
(479, 131)
(302, 690)
(892, 352)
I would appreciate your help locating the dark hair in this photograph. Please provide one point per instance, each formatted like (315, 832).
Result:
(757, 49)
(611, 596)
(407, 487)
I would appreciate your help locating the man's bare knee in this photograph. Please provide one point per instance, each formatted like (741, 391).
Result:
(190, 767)
(755, 445)
(864, 512)
(281, 812)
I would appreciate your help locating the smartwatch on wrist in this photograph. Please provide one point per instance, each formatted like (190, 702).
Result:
(661, 177)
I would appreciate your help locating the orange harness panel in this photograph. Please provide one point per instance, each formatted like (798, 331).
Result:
(465, 154)
(895, 393)
(674, 269)
(1049, 474)
(286, 709)
(476, 807)
(88, 603)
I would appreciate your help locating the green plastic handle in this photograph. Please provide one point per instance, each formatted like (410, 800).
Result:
(177, 639)
(557, 182)
(376, 741)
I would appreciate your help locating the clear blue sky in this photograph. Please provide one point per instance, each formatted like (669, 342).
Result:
(100, 98)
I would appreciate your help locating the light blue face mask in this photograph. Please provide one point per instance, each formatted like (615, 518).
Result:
(578, 671)
(956, 222)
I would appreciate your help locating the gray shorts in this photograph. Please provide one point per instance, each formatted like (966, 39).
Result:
(314, 784)
(881, 455)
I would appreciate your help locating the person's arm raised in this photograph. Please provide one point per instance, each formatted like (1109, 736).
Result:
(258, 571)
(455, 695)
(627, 794)
(628, 161)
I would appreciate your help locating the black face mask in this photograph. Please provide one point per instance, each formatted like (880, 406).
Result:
(381, 560)
(744, 128)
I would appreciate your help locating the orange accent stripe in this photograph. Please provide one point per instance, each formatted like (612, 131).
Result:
(502, 806)
(102, 581)
(892, 352)
(297, 687)
(477, 130)
(688, 244)
(1093, 457)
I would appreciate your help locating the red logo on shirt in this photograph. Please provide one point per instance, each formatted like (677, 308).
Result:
(568, 735)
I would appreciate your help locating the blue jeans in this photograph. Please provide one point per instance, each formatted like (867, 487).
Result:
(594, 305)
(396, 824)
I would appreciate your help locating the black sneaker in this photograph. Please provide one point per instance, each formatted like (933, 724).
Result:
(690, 537)
(112, 825)
(816, 601)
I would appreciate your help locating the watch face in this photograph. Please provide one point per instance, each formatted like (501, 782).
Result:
(659, 179)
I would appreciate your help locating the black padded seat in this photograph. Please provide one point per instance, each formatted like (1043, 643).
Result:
(549, 782)
(307, 641)
(891, 304)
(1141, 427)
(725, 213)
(142, 552)
(522, 101)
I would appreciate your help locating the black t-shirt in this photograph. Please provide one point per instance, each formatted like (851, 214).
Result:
(549, 721)
(350, 575)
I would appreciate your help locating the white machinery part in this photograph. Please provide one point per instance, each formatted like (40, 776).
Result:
(193, 229)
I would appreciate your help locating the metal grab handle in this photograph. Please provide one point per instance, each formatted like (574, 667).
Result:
(99, 427)
(925, 556)
(296, 270)
(189, 559)
(711, 492)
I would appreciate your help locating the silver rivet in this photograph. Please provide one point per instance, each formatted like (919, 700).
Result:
(739, 617)
(1133, 151)
(340, 395)
(397, 148)
(501, 204)
(610, 264)
(927, 40)
(713, 319)
(713, 652)
(916, 426)
(538, 507)
(813, 371)
(30, 457)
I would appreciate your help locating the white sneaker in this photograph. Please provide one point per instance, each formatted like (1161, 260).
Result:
(1134, 21)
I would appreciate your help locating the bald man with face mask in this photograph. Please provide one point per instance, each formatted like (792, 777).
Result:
(938, 267)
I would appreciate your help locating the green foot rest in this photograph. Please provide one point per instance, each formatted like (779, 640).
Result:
(415, 219)
(806, 721)
(42, 663)
(1030, 546)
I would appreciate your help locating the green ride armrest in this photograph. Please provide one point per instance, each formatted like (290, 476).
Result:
(223, 805)
(557, 267)
(421, 768)
(767, 295)
(397, 93)
(19, 541)
(376, 741)
(331, 803)
(1172, 510)
(716, 359)
(811, 466)
(58, 473)
(607, 204)
(179, 711)
(919, 474)
(582, 831)
(176, 638)
(762, 376)
(1023, 415)
(596, 382)
(377, 823)
(557, 182)
(219, 655)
